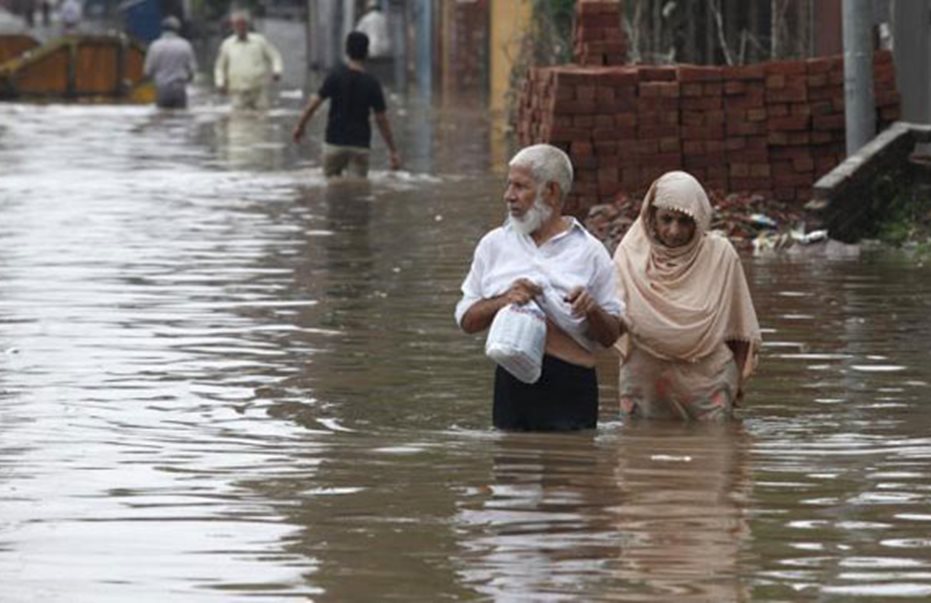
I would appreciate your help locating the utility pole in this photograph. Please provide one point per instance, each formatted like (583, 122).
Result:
(398, 19)
(425, 48)
(310, 29)
(859, 102)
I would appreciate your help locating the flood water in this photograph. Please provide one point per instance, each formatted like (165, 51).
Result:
(222, 379)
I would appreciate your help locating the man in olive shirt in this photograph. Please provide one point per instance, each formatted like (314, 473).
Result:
(245, 65)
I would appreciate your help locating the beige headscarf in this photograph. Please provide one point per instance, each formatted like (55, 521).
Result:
(683, 303)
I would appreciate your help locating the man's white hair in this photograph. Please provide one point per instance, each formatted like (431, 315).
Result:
(546, 164)
(240, 14)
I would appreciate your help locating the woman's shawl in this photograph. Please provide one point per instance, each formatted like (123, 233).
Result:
(684, 302)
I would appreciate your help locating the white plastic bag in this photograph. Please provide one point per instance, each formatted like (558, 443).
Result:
(516, 340)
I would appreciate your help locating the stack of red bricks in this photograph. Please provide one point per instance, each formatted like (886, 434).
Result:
(825, 77)
(598, 37)
(593, 114)
(704, 150)
(888, 101)
(826, 93)
(770, 128)
(746, 151)
(790, 133)
(659, 142)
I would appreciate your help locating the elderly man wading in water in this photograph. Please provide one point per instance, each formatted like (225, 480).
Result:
(541, 255)
(245, 65)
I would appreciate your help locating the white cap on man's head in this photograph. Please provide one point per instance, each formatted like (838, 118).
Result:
(370, 4)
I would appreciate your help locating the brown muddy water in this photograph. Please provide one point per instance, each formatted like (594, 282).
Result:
(223, 380)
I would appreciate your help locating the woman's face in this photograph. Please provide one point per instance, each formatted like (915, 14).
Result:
(673, 228)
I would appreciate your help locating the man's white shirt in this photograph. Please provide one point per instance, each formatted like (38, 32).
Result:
(573, 258)
(246, 64)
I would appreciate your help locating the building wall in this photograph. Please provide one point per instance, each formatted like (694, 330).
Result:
(509, 20)
(464, 49)
(912, 23)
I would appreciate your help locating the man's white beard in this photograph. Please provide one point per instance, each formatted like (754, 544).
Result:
(533, 219)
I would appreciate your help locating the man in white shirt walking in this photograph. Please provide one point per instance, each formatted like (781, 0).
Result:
(541, 255)
(374, 24)
(245, 65)
(70, 14)
(171, 64)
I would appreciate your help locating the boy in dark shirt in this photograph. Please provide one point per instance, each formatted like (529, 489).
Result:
(353, 93)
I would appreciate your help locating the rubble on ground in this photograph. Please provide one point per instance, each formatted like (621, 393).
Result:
(752, 222)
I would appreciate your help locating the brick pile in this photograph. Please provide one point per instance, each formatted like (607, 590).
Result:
(790, 133)
(704, 148)
(598, 37)
(746, 149)
(769, 128)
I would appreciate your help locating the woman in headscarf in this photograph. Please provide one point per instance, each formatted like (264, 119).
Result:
(692, 337)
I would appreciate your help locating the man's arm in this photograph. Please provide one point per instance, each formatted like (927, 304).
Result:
(384, 126)
(602, 327)
(149, 65)
(480, 314)
(219, 69)
(274, 57)
(153, 59)
(312, 106)
(191, 63)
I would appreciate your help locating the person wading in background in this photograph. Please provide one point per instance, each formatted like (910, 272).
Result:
(374, 24)
(171, 64)
(353, 95)
(246, 64)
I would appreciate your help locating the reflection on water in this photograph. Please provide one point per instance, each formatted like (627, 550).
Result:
(544, 521)
(686, 493)
(221, 377)
(247, 139)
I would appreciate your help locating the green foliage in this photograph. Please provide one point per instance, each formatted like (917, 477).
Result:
(548, 41)
(907, 218)
(561, 14)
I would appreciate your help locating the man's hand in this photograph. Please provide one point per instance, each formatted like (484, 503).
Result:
(522, 291)
(298, 133)
(223, 90)
(602, 327)
(582, 302)
(480, 315)
(276, 77)
(394, 160)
